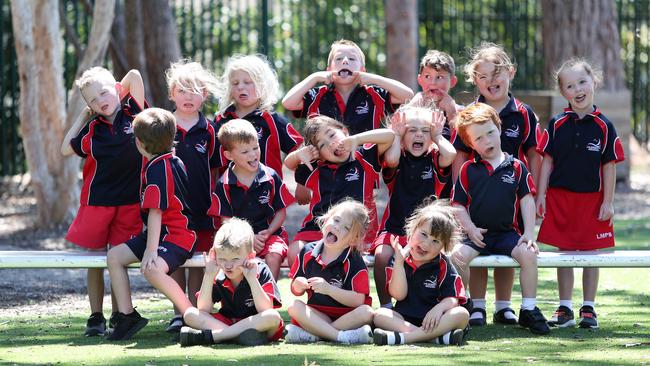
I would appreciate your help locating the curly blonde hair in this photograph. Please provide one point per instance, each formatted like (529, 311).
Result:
(264, 78)
(233, 235)
(595, 74)
(359, 215)
(193, 77)
(487, 52)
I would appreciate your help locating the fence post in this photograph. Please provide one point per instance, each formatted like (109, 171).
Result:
(264, 47)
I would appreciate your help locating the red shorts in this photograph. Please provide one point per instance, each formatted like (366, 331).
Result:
(384, 239)
(571, 221)
(332, 312)
(276, 244)
(230, 321)
(204, 240)
(95, 227)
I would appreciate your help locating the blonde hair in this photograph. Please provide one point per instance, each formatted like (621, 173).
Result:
(192, 77)
(94, 75)
(263, 76)
(595, 74)
(233, 235)
(442, 222)
(345, 42)
(316, 123)
(236, 131)
(477, 113)
(156, 129)
(359, 217)
(487, 52)
(439, 61)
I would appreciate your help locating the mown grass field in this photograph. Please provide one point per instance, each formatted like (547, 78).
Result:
(623, 305)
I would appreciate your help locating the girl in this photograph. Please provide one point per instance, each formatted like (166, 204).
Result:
(427, 289)
(492, 71)
(340, 170)
(416, 168)
(251, 91)
(335, 277)
(576, 185)
(189, 86)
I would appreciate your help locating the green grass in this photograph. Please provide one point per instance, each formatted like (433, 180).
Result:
(623, 306)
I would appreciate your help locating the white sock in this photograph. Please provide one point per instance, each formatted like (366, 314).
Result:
(567, 303)
(528, 303)
(479, 303)
(395, 338)
(589, 303)
(342, 336)
(502, 304)
(443, 339)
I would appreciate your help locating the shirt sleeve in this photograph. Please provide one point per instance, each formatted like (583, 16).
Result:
(302, 173)
(533, 127)
(297, 266)
(525, 184)
(460, 193)
(385, 95)
(216, 294)
(80, 144)
(214, 151)
(282, 198)
(370, 153)
(545, 145)
(155, 193)
(614, 148)
(131, 107)
(270, 287)
(220, 205)
(307, 101)
(288, 135)
(450, 282)
(358, 280)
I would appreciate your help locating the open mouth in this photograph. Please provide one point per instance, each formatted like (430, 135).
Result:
(345, 72)
(339, 152)
(494, 89)
(489, 150)
(420, 252)
(417, 145)
(581, 98)
(253, 163)
(330, 237)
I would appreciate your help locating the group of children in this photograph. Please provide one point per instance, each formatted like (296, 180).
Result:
(189, 178)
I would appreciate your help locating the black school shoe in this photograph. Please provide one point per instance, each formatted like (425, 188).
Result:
(96, 325)
(477, 322)
(533, 320)
(500, 317)
(175, 324)
(588, 318)
(252, 337)
(126, 326)
(195, 337)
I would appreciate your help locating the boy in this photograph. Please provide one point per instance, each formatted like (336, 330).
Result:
(109, 204)
(491, 192)
(250, 190)
(245, 288)
(168, 240)
(351, 95)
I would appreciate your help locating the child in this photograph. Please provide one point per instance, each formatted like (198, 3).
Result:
(492, 71)
(576, 187)
(189, 86)
(168, 240)
(251, 91)
(250, 190)
(351, 95)
(341, 170)
(245, 288)
(416, 168)
(109, 212)
(492, 191)
(427, 289)
(335, 278)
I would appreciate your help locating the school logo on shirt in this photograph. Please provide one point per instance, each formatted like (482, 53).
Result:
(594, 145)
(512, 131)
(265, 198)
(352, 175)
(446, 131)
(362, 109)
(202, 146)
(336, 282)
(508, 178)
(431, 282)
(128, 129)
(249, 302)
(427, 174)
(162, 249)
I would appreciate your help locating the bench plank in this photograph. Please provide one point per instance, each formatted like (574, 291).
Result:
(72, 259)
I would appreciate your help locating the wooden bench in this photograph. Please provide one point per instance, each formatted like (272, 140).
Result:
(70, 259)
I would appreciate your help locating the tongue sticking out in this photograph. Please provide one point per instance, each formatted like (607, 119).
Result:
(417, 145)
(345, 72)
(331, 237)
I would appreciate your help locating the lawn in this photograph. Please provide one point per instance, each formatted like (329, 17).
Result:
(623, 339)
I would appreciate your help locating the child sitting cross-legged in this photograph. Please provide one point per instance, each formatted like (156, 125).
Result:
(245, 288)
(424, 282)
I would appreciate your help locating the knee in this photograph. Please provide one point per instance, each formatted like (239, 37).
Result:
(272, 318)
(525, 257)
(191, 315)
(297, 307)
(112, 259)
(460, 260)
(382, 313)
(365, 313)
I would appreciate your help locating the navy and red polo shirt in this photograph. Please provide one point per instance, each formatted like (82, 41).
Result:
(330, 183)
(165, 187)
(258, 203)
(274, 132)
(428, 284)
(347, 272)
(579, 148)
(111, 171)
(196, 148)
(519, 129)
(366, 106)
(413, 181)
(237, 302)
(491, 196)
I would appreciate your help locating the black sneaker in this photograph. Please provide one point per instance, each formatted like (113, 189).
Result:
(252, 337)
(112, 320)
(95, 325)
(477, 322)
(588, 318)
(175, 324)
(500, 317)
(194, 337)
(126, 326)
(533, 320)
(562, 318)
(456, 337)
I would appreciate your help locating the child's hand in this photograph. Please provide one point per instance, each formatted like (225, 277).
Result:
(398, 123)
(361, 77)
(527, 240)
(606, 213)
(319, 285)
(325, 77)
(260, 240)
(447, 104)
(349, 144)
(301, 284)
(437, 123)
(540, 206)
(432, 319)
(401, 252)
(148, 260)
(210, 260)
(475, 234)
(307, 154)
(249, 268)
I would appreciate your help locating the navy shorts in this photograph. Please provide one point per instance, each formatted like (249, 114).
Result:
(496, 243)
(171, 253)
(415, 321)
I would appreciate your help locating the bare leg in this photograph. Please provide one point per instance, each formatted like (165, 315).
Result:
(478, 282)
(294, 250)
(159, 278)
(266, 321)
(274, 261)
(455, 318)
(383, 253)
(117, 260)
(322, 326)
(179, 277)
(528, 273)
(565, 283)
(504, 279)
(95, 279)
(590, 278)
(194, 279)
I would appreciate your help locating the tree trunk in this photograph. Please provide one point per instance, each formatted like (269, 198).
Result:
(402, 40)
(582, 28)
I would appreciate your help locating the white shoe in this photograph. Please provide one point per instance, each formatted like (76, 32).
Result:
(361, 335)
(295, 334)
